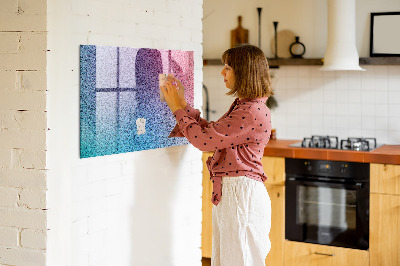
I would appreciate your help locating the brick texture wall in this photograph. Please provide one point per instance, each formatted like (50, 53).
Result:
(23, 126)
(140, 208)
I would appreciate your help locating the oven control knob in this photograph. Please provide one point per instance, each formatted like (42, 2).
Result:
(343, 168)
(308, 166)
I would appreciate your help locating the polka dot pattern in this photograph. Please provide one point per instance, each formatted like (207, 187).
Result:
(238, 139)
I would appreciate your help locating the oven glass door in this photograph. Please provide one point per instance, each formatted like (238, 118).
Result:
(326, 213)
(325, 207)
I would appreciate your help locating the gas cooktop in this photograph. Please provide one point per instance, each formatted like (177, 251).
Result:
(332, 142)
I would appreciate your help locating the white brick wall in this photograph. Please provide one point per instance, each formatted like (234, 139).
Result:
(23, 178)
(9, 237)
(11, 256)
(33, 239)
(100, 209)
(140, 208)
(23, 132)
(8, 197)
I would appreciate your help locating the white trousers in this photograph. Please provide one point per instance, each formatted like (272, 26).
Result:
(241, 223)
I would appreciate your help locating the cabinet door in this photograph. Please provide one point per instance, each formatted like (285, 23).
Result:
(384, 230)
(274, 168)
(304, 254)
(385, 178)
(277, 233)
(206, 226)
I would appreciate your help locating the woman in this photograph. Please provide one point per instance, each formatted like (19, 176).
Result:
(242, 211)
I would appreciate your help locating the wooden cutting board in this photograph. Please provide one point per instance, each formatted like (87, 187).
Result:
(239, 35)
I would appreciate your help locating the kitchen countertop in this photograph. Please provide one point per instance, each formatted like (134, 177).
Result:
(389, 154)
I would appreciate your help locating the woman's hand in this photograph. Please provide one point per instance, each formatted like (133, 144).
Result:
(181, 92)
(174, 94)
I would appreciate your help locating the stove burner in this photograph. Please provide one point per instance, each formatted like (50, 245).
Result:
(332, 142)
(358, 144)
(328, 142)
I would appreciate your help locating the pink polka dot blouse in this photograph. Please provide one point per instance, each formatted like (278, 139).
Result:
(238, 139)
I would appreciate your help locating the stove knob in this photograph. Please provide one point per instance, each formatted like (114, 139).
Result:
(308, 166)
(343, 168)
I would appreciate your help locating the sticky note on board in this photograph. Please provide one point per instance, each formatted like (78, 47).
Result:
(162, 78)
(141, 126)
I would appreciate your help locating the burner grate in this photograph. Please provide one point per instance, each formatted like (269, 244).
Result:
(358, 144)
(332, 142)
(327, 142)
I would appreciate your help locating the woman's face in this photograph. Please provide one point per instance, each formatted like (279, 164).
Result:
(229, 76)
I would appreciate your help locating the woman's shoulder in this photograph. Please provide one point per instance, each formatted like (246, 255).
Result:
(260, 110)
(257, 104)
(255, 109)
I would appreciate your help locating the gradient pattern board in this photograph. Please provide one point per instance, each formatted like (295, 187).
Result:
(120, 107)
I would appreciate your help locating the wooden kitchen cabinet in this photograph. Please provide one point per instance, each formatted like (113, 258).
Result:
(277, 233)
(385, 178)
(206, 225)
(305, 254)
(385, 215)
(274, 168)
(384, 236)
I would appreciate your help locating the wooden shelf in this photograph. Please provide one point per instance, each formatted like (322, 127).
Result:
(380, 61)
(274, 63)
(212, 62)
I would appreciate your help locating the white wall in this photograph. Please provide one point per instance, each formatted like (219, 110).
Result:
(343, 104)
(140, 208)
(306, 19)
(23, 133)
(311, 102)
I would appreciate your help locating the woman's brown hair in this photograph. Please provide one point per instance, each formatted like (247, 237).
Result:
(250, 66)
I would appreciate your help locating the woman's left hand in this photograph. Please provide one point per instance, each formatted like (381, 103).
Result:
(171, 95)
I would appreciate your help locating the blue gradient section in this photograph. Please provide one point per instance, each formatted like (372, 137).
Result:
(88, 101)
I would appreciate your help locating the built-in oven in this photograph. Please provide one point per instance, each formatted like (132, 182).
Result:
(327, 202)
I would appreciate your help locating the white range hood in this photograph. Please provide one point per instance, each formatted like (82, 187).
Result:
(341, 51)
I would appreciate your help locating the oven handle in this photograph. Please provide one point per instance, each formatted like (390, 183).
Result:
(324, 254)
(357, 185)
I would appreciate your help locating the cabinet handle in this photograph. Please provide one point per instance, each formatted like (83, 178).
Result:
(324, 254)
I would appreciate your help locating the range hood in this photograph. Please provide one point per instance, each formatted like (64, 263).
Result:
(341, 51)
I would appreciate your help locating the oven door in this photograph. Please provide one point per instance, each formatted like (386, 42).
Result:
(327, 213)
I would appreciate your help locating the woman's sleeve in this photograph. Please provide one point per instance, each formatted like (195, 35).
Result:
(235, 129)
(193, 113)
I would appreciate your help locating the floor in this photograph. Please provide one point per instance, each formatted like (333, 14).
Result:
(206, 261)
